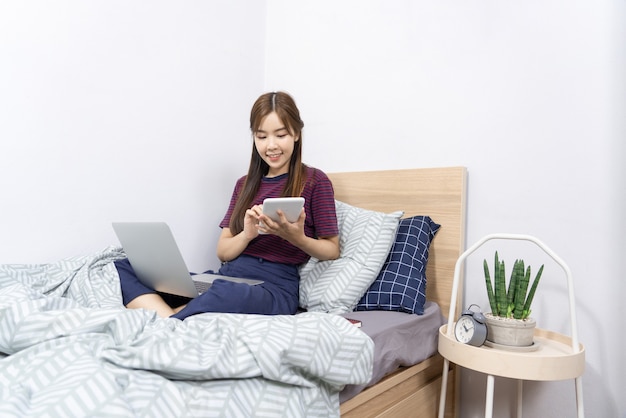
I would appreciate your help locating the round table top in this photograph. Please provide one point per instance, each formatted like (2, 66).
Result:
(553, 359)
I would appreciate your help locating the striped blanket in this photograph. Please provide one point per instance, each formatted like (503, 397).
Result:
(69, 348)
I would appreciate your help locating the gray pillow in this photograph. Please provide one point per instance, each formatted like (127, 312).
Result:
(365, 238)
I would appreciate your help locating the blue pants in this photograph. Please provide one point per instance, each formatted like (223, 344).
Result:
(277, 295)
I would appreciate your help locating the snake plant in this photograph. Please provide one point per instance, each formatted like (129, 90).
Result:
(513, 302)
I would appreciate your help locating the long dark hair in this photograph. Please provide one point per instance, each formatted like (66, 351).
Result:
(287, 111)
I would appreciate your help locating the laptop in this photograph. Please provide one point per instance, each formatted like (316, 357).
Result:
(158, 263)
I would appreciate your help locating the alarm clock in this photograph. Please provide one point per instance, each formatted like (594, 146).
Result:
(471, 328)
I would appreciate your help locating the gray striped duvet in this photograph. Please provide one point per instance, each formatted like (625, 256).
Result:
(69, 348)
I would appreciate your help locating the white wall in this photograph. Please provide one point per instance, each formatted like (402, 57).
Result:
(123, 110)
(139, 110)
(529, 96)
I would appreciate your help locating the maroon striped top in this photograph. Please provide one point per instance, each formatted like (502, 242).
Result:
(319, 206)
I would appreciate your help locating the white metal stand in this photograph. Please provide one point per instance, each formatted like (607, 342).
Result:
(565, 354)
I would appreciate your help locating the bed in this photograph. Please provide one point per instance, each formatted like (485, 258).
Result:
(413, 391)
(68, 347)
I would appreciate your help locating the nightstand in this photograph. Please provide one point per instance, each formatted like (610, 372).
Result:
(556, 357)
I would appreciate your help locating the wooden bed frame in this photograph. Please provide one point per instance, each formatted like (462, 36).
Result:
(441, 194)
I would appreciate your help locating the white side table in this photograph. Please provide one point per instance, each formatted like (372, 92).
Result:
(558, 357)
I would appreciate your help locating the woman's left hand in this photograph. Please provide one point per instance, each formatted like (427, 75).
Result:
(290, 231)
(322, 248)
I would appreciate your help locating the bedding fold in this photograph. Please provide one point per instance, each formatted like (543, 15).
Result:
(67, 342)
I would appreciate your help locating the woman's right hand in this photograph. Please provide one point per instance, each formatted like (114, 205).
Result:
(251, 221)
(230, 246)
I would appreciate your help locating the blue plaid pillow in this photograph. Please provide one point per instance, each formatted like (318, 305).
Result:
(401, 283)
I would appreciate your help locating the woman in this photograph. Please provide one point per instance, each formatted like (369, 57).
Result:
(251, 244)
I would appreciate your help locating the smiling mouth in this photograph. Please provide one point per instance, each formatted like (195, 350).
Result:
(274, 156)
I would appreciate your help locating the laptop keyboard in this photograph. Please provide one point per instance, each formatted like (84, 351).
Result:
(202, 287)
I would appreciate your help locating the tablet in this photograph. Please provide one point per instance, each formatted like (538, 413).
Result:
(291, 207)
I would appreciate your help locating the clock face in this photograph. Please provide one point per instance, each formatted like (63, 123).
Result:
(464, 329)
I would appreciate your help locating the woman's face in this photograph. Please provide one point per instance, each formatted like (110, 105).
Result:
(274, 144)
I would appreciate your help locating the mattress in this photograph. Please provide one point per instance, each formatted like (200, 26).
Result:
(400, 339)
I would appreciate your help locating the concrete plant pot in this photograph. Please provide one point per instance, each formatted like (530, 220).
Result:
(509, 331)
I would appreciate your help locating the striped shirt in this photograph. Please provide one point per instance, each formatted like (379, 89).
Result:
(319, 206)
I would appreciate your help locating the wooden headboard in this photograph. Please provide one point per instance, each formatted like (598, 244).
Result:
(437, 192)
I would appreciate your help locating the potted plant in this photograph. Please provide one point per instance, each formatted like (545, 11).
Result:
(509, 322)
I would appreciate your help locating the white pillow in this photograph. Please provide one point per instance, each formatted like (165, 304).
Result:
(365, 238)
